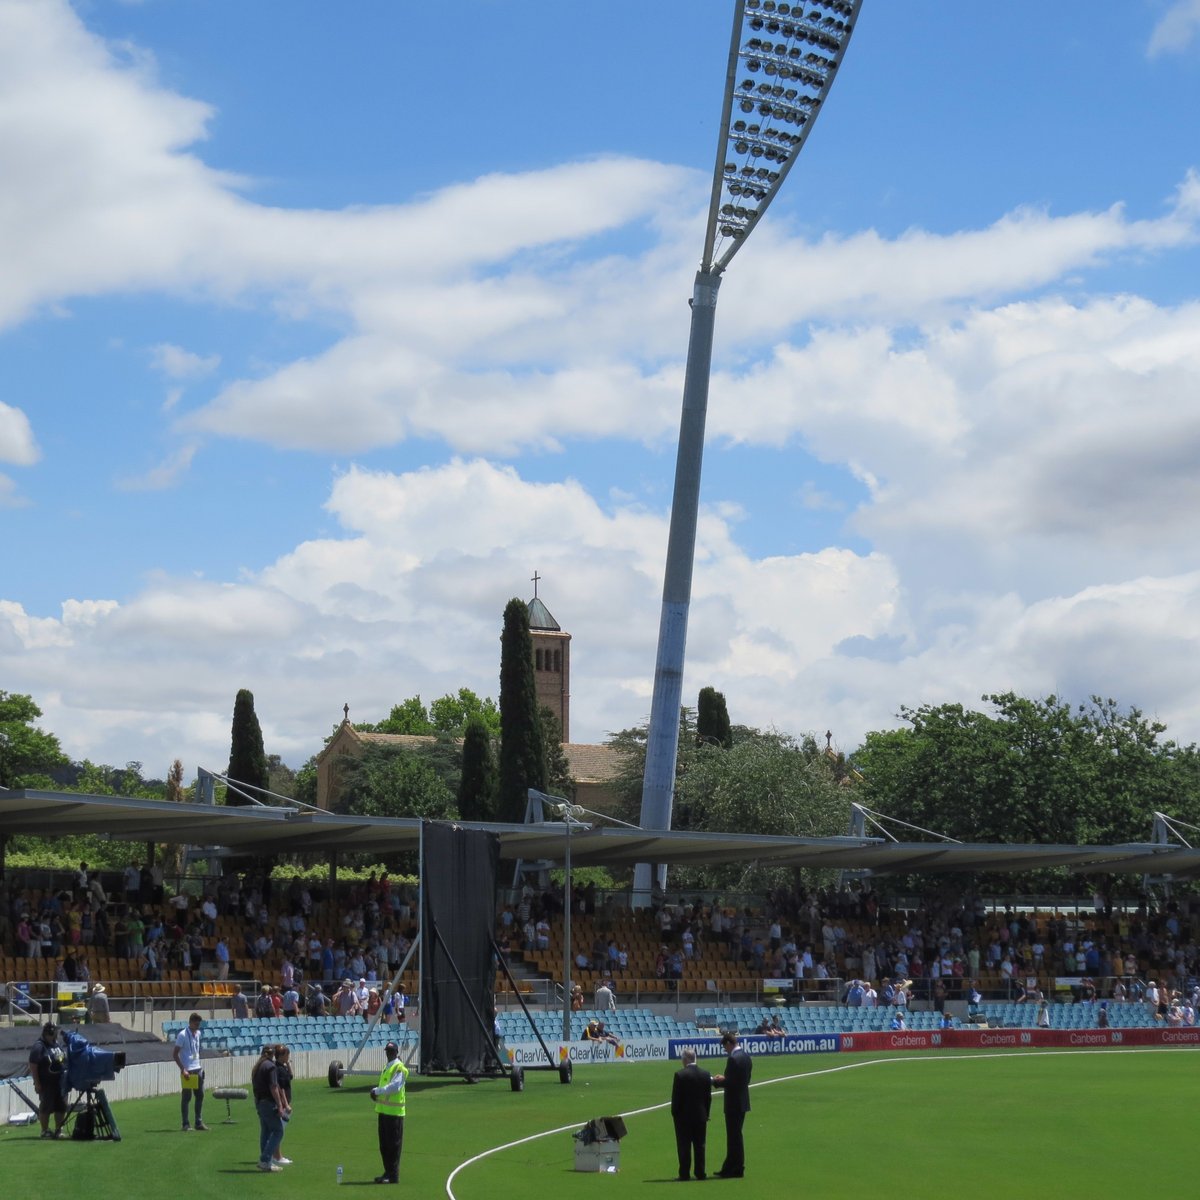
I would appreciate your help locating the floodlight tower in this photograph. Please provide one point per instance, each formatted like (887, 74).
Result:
(783, 59)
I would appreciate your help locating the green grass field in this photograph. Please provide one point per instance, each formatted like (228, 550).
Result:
(1088, 1124)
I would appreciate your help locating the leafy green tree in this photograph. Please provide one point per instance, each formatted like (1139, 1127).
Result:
(389, 781)
(1029, 771)
(766, 782)
(522, 752)
(448, 715)
(27, 754)
(99, 779)
(477, 784)
(558, 769)
(712, 719)
(451, 714)
(306, 783)
(247, 758)
(281, 778)
(443, 755)
(409, 717)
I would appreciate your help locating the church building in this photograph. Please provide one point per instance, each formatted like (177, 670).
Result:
(593, 768)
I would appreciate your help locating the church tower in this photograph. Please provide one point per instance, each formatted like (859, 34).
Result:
(551, 661)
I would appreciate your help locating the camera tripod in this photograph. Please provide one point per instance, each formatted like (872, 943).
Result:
(93, 1117)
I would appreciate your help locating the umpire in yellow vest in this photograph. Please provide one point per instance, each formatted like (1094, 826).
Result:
(389, 1104)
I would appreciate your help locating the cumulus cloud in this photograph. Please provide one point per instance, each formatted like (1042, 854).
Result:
(17, 444)
(408, 598)
(1026, 451)
(116, 199)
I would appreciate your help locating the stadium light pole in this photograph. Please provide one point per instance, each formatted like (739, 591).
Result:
(570, 813)
(783, 59)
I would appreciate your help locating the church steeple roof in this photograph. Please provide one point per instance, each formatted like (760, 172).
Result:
(540, 618)
(539, 614)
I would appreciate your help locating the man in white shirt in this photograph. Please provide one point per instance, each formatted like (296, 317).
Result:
(191, 1073)
(362, 994)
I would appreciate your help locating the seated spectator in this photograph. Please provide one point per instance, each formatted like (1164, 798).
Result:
(594, 1031)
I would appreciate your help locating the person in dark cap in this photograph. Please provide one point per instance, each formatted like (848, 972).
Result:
(389, 1105)
(47, 1062)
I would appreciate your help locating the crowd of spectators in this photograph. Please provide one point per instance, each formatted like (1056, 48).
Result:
(140, 921)
(292, 938)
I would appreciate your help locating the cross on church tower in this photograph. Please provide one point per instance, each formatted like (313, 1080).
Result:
(534, 581)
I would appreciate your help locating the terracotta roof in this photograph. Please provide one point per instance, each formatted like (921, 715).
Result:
(587, 763)
(592, 764)
(405, 740)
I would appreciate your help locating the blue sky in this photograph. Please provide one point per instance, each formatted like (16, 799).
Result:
(322, 327)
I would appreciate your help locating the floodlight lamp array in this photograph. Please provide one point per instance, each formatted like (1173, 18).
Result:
(782, 63)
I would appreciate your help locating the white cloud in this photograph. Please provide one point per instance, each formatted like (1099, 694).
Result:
(505, 364)
(1027, 459)
(114, 199)
(409, 599)
(1176, 29)
(17, 444)
(165, 475)
(10, 497)
(177, 363)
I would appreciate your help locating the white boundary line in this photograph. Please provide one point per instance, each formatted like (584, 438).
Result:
(892, 1059)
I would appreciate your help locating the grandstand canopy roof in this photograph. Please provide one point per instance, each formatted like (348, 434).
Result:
(263, 829)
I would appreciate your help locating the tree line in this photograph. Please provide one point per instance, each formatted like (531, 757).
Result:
(1016, 770)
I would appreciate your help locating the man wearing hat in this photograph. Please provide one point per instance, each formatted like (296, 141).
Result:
(389, 1104)
(47, 1062)
(345, 1002)
(98, 1011)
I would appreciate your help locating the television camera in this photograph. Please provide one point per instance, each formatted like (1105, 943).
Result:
(88, 1066)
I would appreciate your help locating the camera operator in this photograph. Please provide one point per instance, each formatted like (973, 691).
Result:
(47, 1061)
(191, 1073)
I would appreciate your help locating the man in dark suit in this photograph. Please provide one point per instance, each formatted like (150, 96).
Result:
(736, 1083)
(691, 1098)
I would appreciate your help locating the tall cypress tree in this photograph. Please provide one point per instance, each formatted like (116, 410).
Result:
(477, 788)
(712, 719)
(522, 755)
(247, 758)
